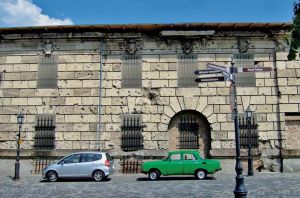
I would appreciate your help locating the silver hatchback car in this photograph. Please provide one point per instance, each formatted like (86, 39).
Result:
(97, 165)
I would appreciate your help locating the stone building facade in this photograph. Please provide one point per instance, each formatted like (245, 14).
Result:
(130, 90)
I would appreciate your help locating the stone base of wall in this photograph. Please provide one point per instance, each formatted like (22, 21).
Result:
(7, 167)
(291, 165)
(231, 153)
(291, 159)
(30, 154)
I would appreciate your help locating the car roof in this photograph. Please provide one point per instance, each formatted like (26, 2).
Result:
(183, 151)
(92, 152)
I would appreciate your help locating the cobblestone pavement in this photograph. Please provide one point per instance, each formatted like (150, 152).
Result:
(260, 185)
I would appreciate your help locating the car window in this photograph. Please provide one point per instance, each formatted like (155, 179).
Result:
(72, 159)
(87, 157)
(175, 156)
(188, 156)
(97, 157)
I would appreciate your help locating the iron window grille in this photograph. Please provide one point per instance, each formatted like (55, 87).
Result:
(44, 138)
(132, 138)
(248, 131)
(188, 133)
(47, 72)
(187, 65)
(131, 70)
(245, 79)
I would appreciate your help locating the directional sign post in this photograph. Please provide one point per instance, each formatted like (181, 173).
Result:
(229, 73)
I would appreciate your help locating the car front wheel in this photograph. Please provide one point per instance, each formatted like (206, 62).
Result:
(52, 176)
(201, 174)
(153, 175)
(98, 175)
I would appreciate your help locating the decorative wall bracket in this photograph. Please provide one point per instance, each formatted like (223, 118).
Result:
(132, 46)
(243, 45)
(186, 46)
(48, 47)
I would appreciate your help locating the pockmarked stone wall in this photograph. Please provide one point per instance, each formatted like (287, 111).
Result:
(75, 101)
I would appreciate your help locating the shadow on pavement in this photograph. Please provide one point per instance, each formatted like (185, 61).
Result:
(75, 180)
(166, 178)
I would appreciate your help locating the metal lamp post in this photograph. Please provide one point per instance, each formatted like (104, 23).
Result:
(240, 190)
(250, 157)
(20, 121)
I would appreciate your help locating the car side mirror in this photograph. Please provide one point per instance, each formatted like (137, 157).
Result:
(62, 162)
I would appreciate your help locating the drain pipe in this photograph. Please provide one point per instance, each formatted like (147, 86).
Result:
(278, 94)
(101, 51)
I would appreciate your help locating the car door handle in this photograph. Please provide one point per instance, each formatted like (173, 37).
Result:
(203, 162)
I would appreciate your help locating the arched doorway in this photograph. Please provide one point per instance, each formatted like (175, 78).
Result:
(190, 129)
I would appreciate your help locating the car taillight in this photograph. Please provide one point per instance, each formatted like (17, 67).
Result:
(107, 163)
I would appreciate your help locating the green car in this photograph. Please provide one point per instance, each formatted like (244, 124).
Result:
(181, 162)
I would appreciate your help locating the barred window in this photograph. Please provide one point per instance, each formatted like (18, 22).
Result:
(132, 138)
(47, 72)
(44, 138)
(248, 130)
(246, 79)
(131, 71)
(188, 131)
(187, 65)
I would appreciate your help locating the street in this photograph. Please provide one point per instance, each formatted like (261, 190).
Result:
(119, 185)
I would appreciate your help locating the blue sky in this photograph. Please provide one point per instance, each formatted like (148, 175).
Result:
(68, 12)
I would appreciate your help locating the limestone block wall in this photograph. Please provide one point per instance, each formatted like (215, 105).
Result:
(74, 102)
(288, 80)
(160, 67)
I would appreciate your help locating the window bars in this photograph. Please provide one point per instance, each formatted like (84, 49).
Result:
(188, 133)
(187, 65)
(47, 72)
(248, 130)
(44, 138)
(131, 71)
(132, 138)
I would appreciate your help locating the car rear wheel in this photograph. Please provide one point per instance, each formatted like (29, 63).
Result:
(153, 175)
(52, 176)
(98, 175)
(201, 174)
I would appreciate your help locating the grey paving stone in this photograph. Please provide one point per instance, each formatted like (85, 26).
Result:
(222, 185)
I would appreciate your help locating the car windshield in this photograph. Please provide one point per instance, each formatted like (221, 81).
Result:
(166, 157)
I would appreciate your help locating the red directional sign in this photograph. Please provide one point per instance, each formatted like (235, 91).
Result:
(256, 69)
(211, 79)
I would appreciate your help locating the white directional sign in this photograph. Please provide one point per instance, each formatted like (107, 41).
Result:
(210, 71)
(216, 67)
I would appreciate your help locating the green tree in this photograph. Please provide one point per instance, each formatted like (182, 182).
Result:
(295, 41)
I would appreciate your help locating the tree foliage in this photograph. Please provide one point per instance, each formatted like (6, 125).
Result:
(295, 41)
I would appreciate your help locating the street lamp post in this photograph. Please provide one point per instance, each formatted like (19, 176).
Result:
(20, 120)
(250, 157)
(240, 190)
